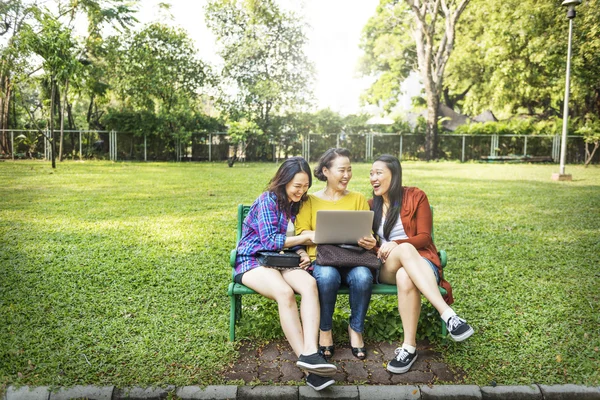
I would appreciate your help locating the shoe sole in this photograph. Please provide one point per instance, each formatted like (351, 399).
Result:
(323, 386)
(326, 370)
(460, 338)
(401, 370)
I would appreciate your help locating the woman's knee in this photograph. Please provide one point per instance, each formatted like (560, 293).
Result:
(327, 278)
(361, 278)
(284, 294)
(403, 282)
(404, 251)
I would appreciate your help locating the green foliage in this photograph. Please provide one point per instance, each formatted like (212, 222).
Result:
(263, 51)
(510, 57)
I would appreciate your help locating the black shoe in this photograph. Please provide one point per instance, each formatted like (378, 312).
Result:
(318, 382)
(315, 363)
(402, 362)
(328, 349)
(459, 329)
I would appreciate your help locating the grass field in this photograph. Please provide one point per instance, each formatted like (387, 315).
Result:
(117, 273)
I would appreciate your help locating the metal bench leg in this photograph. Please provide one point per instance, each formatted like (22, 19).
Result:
(232, 315)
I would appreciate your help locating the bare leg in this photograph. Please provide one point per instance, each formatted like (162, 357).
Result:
(305, 285)
(271, 284)
(409, 306)
(407, 257)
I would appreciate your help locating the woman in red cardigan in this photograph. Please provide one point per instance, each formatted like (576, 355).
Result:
(410, 261)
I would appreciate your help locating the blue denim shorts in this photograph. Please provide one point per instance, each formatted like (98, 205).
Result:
(433, 268)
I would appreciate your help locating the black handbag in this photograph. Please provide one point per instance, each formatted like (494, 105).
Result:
(279, 259)
(346, 256)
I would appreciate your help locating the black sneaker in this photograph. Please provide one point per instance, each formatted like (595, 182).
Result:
(402, 362)
(459, 329)
(315, 363)
(318, 382)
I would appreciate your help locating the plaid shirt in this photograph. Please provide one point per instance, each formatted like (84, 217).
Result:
(264, 229)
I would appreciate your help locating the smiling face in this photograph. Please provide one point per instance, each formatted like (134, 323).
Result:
(381, 178)
(296, 188)
(339, 175)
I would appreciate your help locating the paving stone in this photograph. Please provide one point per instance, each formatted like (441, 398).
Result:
(137, 393)
(388, 350)
(250, 366)
(270, 352)
(389, 392)
(288, 355)
(331, 392)
(289, 372)
(270, 375)
(269, 371)
(420, 364)
(84, 392)
(343, 354)
(451, 392)
(356, 371)
(247, 351)
(442, 372)
(375, 353)
(511, 392)
(379, 376)
(412, 377)
(243, 375)
(222, 392)
(560, 392)
(25, 393)
(267, 392)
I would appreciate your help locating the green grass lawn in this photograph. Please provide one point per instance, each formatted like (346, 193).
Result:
(117, 273)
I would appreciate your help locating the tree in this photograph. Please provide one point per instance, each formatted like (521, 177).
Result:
(156, 75)
(264, 61)
(54, 43)
(433, 24)
(13, 15)
(511, 58)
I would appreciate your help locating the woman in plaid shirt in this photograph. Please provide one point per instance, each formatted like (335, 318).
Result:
(269, 226)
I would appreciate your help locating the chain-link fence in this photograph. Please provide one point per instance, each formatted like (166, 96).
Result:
(217, 146)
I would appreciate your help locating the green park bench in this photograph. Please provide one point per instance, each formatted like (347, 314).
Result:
(236, 290)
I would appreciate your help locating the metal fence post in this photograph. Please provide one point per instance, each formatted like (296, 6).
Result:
(400, 154)
(525, 147)
(210, 147)
(462, 156)
(12, 144)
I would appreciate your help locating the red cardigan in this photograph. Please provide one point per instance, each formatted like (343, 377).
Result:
(417, 221)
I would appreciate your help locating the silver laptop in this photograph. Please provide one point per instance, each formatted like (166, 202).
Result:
(342, 227)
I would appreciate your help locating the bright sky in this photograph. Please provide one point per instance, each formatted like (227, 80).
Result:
(334, 37)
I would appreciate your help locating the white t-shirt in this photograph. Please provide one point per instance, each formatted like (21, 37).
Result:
(397, 232)
(291, 229)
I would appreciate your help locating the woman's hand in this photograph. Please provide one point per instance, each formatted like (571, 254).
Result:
(385, 250)
(309, 237)
(304, 259)
(367, 242)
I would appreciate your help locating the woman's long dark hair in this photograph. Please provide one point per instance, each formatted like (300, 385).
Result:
(286, 172)
(394, 194)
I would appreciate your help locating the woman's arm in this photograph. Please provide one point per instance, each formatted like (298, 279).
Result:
(268, 219)
(423, 220)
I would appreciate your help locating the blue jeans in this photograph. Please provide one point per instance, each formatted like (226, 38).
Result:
(329, 279)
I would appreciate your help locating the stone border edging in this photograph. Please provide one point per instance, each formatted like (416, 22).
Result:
(366, 392)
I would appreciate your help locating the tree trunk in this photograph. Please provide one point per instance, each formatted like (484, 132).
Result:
(431, 137)
(4, 109)
(588, 158)
(434, 46)
(62, 121)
